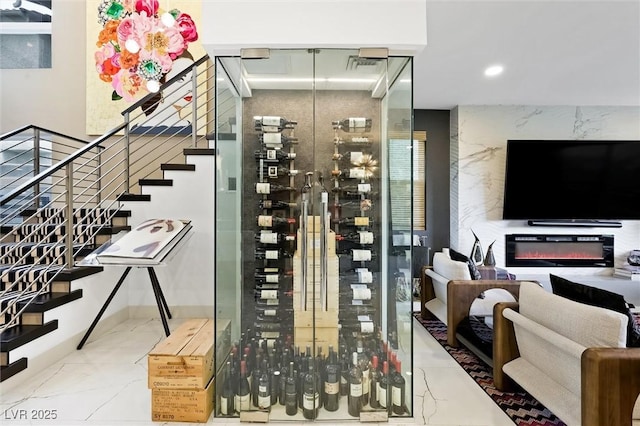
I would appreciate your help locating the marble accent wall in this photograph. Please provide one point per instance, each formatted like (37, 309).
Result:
(479, 136)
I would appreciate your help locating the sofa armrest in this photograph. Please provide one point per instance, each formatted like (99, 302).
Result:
(505, 347)
(462, 293)
(426, 291)
(610, 385)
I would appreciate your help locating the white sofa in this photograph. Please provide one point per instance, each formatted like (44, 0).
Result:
(541, 344)
(449, 280)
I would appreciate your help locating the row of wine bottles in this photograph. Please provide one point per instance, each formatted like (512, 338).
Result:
(263, 377)
(274, 124)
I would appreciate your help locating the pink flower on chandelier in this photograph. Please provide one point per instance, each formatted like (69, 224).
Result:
(138, 44)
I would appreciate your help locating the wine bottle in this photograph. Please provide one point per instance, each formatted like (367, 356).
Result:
(273, 155)
(291, 395)
(357, 292)
(353, 190)
(356, 140)
(272, 188)
(227, 396)
(354, 400)
(255, 378)
(356, 259)
(270, 221)
(363, 325)
(359, 276)
(276, 140)
(350, 205)
(374, 383)
(352, 157)
(272, 238)
(273, 313)
(275, 205)
(311, 402)
(244, 390)
(266, 292)
(274, 377)
(353, 124)
(270, 278)
(398, 390)
(272, 124)
(356, 222)
(359, 237)
(355, 312)
(269, 171)
(363, 363)
(361, 255)
(351, 173)
(270, 254)
(344, 374)
(384, 392)
(303, 368)
(264, 388)
(331, 394)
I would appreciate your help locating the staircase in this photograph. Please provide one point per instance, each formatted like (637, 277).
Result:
(33, 270)
(52, 219)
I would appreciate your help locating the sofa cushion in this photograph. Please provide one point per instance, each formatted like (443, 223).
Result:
(449, 268)
(598, 297)
(588, 326)
(473, 269)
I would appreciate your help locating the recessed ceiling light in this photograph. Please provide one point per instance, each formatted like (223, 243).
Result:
(493, 70)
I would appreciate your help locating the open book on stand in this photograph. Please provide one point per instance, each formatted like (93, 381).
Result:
(149, 243)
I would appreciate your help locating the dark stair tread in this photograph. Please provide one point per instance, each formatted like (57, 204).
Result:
(12, 369)
(172, 166)
(22, 334)
(134, 197)
(199, 151)
(48, 301)
(155, 182)
(77, 272)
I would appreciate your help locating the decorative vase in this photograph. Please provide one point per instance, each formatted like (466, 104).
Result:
(634, 258)
(489, 258)
(476, 251)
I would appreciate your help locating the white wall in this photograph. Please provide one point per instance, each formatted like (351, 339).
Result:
(479, 136)
(187, 279)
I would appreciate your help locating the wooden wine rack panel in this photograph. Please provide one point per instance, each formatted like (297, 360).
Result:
(314, 326)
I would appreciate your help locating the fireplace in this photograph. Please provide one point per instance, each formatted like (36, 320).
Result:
(559, 250)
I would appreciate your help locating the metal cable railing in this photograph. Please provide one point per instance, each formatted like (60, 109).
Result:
(47, 177)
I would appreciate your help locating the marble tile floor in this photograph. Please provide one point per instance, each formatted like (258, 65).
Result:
(105, 383)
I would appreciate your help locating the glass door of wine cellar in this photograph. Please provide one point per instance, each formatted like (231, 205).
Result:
(314, 235)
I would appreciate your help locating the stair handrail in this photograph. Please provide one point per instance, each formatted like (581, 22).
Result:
(54, 168)
(70, 196)
(43, 129)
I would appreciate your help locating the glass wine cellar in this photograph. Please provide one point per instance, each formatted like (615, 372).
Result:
(314, 233)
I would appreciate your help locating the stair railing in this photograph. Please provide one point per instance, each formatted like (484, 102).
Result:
(91, 179)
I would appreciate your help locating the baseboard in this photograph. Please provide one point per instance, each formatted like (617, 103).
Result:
(66, 346)
(180, 311)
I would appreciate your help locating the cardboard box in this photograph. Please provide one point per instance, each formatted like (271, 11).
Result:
(184, 360)
(182, 405)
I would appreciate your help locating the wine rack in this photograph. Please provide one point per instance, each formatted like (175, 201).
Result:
(314, 353)
(275, 228)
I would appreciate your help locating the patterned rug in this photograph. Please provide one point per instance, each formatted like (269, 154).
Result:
(521, 407)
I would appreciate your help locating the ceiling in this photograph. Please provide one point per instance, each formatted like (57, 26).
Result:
(553, 53)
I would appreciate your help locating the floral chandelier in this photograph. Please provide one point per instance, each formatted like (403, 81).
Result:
(138, 44)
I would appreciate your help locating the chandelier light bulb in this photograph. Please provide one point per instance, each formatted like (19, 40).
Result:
(168, 20)
(153, 86)
(132, 46)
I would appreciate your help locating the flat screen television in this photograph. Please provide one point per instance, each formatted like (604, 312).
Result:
(572, 180)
